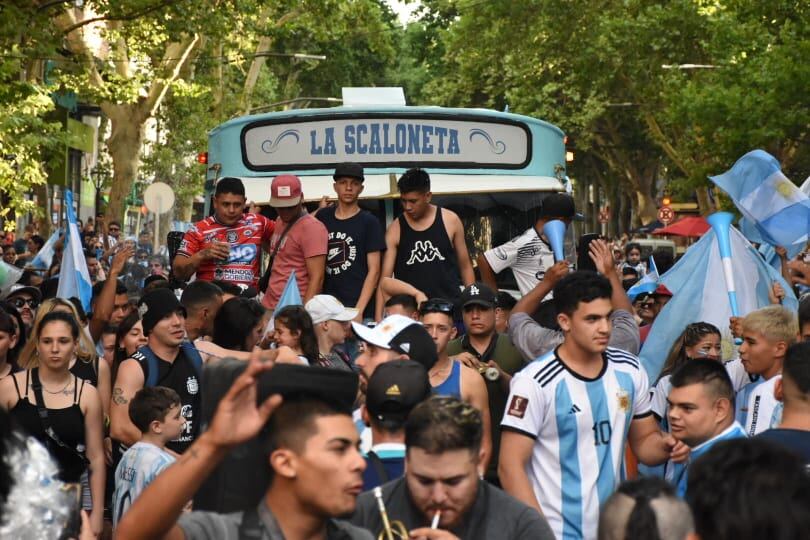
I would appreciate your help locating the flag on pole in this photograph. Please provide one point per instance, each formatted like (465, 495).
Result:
(44, 257)
(74, 279)
(647, 284)
(699, 294)
(773, 204)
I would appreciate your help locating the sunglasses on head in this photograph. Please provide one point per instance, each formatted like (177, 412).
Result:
(437, 305)
(20, 302)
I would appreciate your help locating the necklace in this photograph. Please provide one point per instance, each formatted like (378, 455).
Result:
(63, 390)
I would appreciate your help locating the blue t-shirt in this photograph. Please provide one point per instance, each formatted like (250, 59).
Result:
(139, 466)
(350, 241)
(795, 440)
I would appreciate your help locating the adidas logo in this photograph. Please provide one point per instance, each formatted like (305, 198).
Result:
(393, 390)
(574, 409)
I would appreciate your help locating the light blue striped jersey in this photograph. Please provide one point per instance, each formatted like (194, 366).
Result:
(757, 407)
(138, 467)
(580, 427)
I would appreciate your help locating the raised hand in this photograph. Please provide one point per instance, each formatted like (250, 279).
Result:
(602, 257)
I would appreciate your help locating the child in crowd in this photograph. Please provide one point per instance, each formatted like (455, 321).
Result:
(767, 333)
(155, 411)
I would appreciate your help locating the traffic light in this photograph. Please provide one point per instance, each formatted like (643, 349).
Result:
(666, 200)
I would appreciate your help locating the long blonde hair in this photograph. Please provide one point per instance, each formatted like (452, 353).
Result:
(86, 352)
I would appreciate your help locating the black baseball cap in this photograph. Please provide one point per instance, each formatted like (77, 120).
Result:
(395, 388)
(479, 293)
(559, 205)
(349, 170)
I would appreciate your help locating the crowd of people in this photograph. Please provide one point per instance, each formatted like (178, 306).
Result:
(404, 397)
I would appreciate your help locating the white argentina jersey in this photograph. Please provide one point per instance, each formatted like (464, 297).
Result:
(757, 406)
(580, 427)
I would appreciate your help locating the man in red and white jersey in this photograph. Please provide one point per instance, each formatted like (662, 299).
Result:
(225, 246)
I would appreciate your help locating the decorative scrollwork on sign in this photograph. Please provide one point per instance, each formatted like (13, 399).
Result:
(269, 146)
(497, 147)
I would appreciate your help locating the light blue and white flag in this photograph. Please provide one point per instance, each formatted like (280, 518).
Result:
(9, 275)
(699, 294)
(290, 296)
(647, 284)
(74, 279)
(778, 209)
(44, 256)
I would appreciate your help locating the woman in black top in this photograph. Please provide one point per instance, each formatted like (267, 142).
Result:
(72, 425)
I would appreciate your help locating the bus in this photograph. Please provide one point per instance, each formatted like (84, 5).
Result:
(491, 168)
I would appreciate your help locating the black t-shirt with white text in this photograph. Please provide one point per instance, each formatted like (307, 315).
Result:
(350, 241)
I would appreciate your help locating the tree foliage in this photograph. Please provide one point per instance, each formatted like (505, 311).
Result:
(612, 75)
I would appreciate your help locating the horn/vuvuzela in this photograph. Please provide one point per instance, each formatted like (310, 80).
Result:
(721, 223)
(555, 233)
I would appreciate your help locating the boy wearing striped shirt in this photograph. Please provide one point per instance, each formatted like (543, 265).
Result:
(571, 411)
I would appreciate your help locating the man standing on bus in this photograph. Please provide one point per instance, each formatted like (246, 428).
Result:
(425, 246)
(225, 246)
(298, 244)
(355, 242)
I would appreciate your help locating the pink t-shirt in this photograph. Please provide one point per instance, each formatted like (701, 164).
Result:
(307, 238)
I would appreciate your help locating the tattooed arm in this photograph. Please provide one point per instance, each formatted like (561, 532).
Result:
(238, 418)
(128, 381)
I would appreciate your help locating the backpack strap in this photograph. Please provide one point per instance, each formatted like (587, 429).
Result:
(193, 354)
(379, 466)
(251, 526)
(149, 364)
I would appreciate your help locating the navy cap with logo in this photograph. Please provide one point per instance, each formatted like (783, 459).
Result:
(395, 388)
(479, 293)
(349, 170)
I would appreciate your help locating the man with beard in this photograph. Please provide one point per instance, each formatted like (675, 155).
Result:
(442, 495)
(26, 299)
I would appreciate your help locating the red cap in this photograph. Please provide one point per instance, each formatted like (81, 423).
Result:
(285, 191)
(661, 290)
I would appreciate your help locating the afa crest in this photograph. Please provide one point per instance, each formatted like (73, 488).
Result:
(623, 400)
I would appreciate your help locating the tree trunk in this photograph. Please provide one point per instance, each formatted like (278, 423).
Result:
(647, 209)
(124, 145)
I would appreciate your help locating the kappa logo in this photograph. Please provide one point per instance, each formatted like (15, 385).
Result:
(424, 251)
(333, 252)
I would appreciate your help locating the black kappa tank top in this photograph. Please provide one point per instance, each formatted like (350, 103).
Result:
(426, 259)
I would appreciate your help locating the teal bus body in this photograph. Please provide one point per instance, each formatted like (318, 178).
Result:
(495, 149)
(491, 168)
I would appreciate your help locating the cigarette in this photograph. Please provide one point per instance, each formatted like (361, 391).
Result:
(435, 523)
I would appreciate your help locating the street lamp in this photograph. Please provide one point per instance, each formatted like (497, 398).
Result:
(99, 175)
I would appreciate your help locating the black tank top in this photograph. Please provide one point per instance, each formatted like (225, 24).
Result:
(67, 423)
(426, 259)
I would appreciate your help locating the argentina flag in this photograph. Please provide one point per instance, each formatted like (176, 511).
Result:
(778, 209)
(44, 256)
(699, 294)
(647, 284)
(74, 280)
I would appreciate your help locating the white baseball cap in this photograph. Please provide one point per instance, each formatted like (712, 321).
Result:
(325, 307)
(403, 335)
